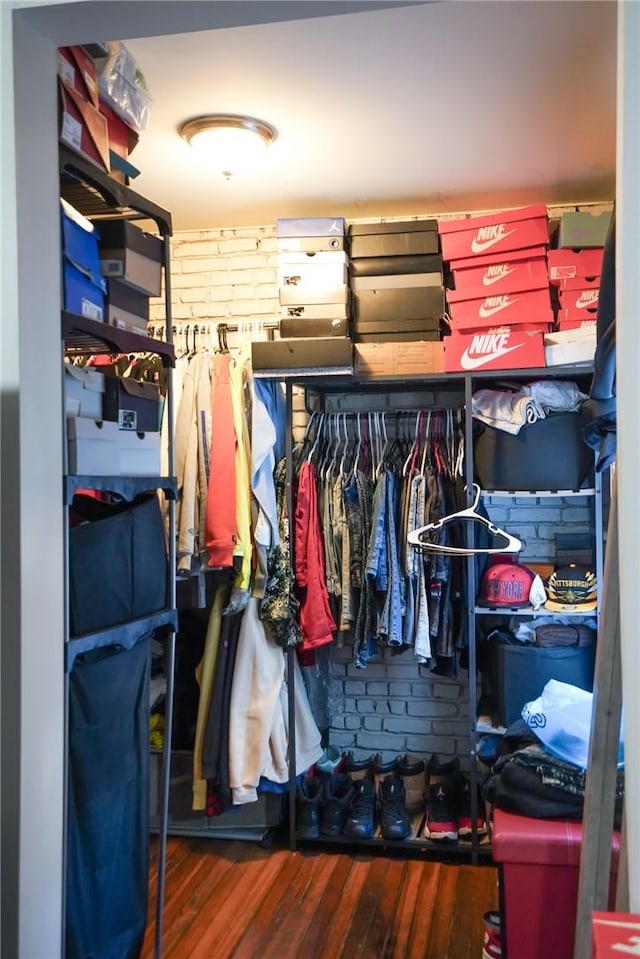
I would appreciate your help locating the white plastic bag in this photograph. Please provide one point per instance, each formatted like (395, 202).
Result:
(122, 86)
(561, 718)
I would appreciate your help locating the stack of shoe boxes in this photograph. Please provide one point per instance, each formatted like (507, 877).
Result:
(575, 268)
(396, 281)
(313, 271)
(131, 260)
(499, 305)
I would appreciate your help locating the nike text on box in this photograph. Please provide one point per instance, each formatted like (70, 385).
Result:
(494, 233)
(525, 327)
(310, 226)
(579, 300)
(514, 272)
(531, 306)
(568, 264)
(615, 934)
(575, 323)
(499, 350)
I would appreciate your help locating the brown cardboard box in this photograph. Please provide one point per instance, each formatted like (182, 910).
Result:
(82, 127)
(398, 359)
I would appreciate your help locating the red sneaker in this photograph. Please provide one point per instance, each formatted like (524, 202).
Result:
(491, 948)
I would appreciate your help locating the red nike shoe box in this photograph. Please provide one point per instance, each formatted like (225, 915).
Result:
(615, 934)
(575, 323)
(572, 319)
(579, 299)
(505, 348)
(532, 306)
(525, 327)
(517, 270)
(539, 861)
(578, 283)
(494, 232)
(568, 264)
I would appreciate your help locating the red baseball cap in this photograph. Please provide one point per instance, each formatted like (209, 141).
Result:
(505, 584)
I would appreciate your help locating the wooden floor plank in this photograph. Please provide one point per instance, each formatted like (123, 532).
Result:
(237, 900)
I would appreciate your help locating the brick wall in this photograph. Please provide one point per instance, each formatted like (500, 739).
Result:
(393, 706)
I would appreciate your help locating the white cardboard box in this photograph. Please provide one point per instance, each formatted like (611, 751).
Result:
(92, 447)
(83, 390)
(569, 346)
(139, 453)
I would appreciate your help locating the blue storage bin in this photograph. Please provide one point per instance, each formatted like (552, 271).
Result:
(80, 241)
(82, 294)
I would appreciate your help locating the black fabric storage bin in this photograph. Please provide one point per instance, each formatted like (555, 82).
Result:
(108, 804)
(117, 563)
(549, 454)
(520, 673)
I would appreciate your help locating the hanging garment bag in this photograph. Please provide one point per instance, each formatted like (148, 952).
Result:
(108, 804)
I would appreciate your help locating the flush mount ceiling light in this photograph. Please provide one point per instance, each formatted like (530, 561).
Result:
(229, 142)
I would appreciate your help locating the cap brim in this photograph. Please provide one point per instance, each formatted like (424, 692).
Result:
(570, 607)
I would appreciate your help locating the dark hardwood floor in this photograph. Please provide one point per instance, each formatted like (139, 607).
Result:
(227, 899)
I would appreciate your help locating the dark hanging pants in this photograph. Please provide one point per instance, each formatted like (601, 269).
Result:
(108, 803)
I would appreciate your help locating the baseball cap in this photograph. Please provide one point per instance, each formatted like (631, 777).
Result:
(571, 589)
(505, 584)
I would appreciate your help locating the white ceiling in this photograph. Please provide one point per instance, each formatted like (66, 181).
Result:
(432, 108)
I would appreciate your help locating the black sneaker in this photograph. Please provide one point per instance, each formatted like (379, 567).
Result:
(357, 768)
(382, 768)
(338, 795)
(440, 820)
(394, 818)
(308, 798)
(361, 820)
(441, 771)
(411, 771)
(463, 809)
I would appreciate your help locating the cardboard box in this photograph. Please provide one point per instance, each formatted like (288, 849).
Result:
(569, 347)
(398, 359)
(127, 308)
(80, 241)
(504, 349)
(397, 281)
(309, 244)
(394, 336)
(129, 254)
(92, 447)
(309, 295)
(578, 283)
(315, 311)
(83, 390)
(568, 264)
(513, 324)
(133, 404)
(385, 265)
(402, 304)
(576, 323)
(331, 226)
(532, 306)
(514, 272)
(398, 238)
(582, 229)
(82, 127)
(305, 327)
(78, 69)
(494, 232)
(139, 453)
(327, 269)
(123, 139)
(398, 325)
(615, 934)
(314, 355)
(82, 294)
(579, 300)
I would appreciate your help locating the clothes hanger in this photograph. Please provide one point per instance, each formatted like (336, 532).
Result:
(511, 543)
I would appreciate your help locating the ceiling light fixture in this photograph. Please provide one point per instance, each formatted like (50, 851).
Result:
(230, 142)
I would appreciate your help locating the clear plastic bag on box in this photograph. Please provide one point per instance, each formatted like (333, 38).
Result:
(123, 87)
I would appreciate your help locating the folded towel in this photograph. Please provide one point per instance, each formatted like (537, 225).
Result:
(505, 411)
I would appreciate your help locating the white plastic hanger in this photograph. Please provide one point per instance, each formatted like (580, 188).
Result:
(511, 543)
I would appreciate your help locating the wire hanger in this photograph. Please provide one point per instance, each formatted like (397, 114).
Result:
(511, 543)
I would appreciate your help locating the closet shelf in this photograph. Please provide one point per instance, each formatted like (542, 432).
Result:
(509, 493)
(528, 611)
(83, 337)
(459, 849)
(96, 194)
(126, 486)
(126, 635)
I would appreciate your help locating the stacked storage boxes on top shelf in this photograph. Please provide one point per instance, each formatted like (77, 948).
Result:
(313, 282)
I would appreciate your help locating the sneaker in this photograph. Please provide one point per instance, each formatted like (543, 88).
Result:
(383, 768)
(329, 762)
(411, 771)
(394, 818)
(308, 798)
(492, 945)
(360, 823)
(358, 768)
(438, 772)
(440, 818)
(335, 810)
(463, 809)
